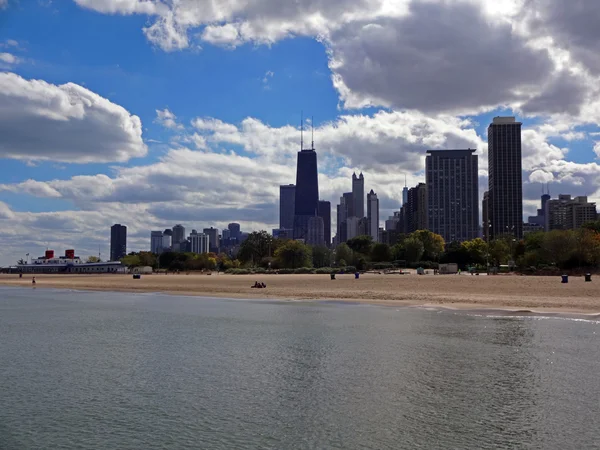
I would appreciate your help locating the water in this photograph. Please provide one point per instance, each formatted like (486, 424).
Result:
(85, 370)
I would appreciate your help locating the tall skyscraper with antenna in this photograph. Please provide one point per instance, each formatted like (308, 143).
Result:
(405, 193)
(307, 187)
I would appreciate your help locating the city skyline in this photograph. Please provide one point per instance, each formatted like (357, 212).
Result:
(149, 136)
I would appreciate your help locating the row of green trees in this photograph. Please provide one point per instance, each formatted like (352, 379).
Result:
(560, 248)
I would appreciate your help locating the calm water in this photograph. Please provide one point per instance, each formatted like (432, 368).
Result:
(119, 371)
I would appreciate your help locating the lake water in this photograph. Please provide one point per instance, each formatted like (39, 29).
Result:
(81, 370)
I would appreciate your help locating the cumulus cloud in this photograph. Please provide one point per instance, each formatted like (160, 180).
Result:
(67, 123)
(167, 119)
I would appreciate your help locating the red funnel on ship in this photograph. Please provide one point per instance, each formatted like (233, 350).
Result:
(49, 254)
(70, 254)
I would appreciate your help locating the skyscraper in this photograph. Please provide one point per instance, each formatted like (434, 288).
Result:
(307, 192)
(235, 231)
(199, 243)
(287, 200)
(324, 211)
(178, 235)
(213, 239)
(315, 233)
(156, 242)
(413, 214)
(118, 242)
(453, 194)
(167, 239)
(358, 194)
(505, 177)
(405, 192)
(373, 215)
(485, 215)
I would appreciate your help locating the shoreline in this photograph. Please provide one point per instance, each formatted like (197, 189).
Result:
(505, 295)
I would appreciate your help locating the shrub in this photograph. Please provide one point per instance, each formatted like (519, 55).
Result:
(285, 271)
(304, 270)
(325, 270)
(238, 271)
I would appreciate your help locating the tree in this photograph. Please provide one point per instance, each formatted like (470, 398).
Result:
(381, 253)
(343, 252)
(499, 251)
(558, 246)
(293, 254)
(456, 253)
(413, 249)
(93, 259)
(321, 256)
(257, 246)
(399, 251)
(433, 244)
(131, 260)
(148, 259)
(361, 244)
(477, 250)
(593, 226)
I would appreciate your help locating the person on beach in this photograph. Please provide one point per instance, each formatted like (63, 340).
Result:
(33, 281)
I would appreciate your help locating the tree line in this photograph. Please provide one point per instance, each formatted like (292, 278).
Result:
(561, 249)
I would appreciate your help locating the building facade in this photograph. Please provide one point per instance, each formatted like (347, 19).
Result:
(452, 181)
(373, 215)
(156, 242)
(413, 214)
(235, 232)
(199, 243)
(178, 235)
(566, 213)
(324, 211)
(485, 217)
(358, 195)
(118, 242)
(316, 233)
(213, 239)
(505, 185)
(352, 227)
(287, 201)
(307, 192)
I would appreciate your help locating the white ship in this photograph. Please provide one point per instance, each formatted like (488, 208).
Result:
(68, 264)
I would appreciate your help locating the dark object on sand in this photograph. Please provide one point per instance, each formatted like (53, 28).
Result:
(565, 279)
(136, 276)
(588, 277)
(332, 276)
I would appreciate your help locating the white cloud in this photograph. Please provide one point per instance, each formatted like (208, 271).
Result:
(5, 211)
(67, 123)
(167, 119)
(8, 58)
(597, 149)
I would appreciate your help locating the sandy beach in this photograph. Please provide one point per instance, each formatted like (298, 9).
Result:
(455, 291)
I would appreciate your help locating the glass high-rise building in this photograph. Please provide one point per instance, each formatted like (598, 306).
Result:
(287, 201)
(307, 192)
(453, 194)
(373, 215)
(118, 242)
(505, 189)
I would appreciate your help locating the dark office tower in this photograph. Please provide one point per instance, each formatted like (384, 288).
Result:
(235, 231)
(118, 242)
(358, 193)
(307, 192)
(505, 177)
(453, 194)
(485, 216)
(178, 234)
(287, 200)
(324, 211)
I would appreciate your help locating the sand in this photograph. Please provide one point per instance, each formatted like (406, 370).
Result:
(455, 291)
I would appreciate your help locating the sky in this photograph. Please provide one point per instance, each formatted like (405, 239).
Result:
(151, 113)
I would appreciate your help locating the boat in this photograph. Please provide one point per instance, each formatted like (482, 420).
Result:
(69, 263)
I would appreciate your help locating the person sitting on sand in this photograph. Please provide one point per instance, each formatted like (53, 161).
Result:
(263, 285)
(256, 285)
(33, 280)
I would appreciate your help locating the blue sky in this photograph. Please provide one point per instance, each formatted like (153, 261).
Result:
(384, 81)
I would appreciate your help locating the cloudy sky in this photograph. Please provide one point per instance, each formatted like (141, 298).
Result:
(157, 112)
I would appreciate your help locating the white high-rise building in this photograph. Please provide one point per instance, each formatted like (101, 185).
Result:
(373, 215)
(156, 242)
(199, 243)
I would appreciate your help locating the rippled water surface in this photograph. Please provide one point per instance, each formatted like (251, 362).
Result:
(121, 371)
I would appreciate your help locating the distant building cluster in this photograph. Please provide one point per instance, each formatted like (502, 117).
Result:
(208, 241)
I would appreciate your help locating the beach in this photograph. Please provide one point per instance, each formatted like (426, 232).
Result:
(454, 291)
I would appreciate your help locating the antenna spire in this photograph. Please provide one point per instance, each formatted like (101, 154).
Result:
(301, 130)
(312, 131)
(405, 180)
